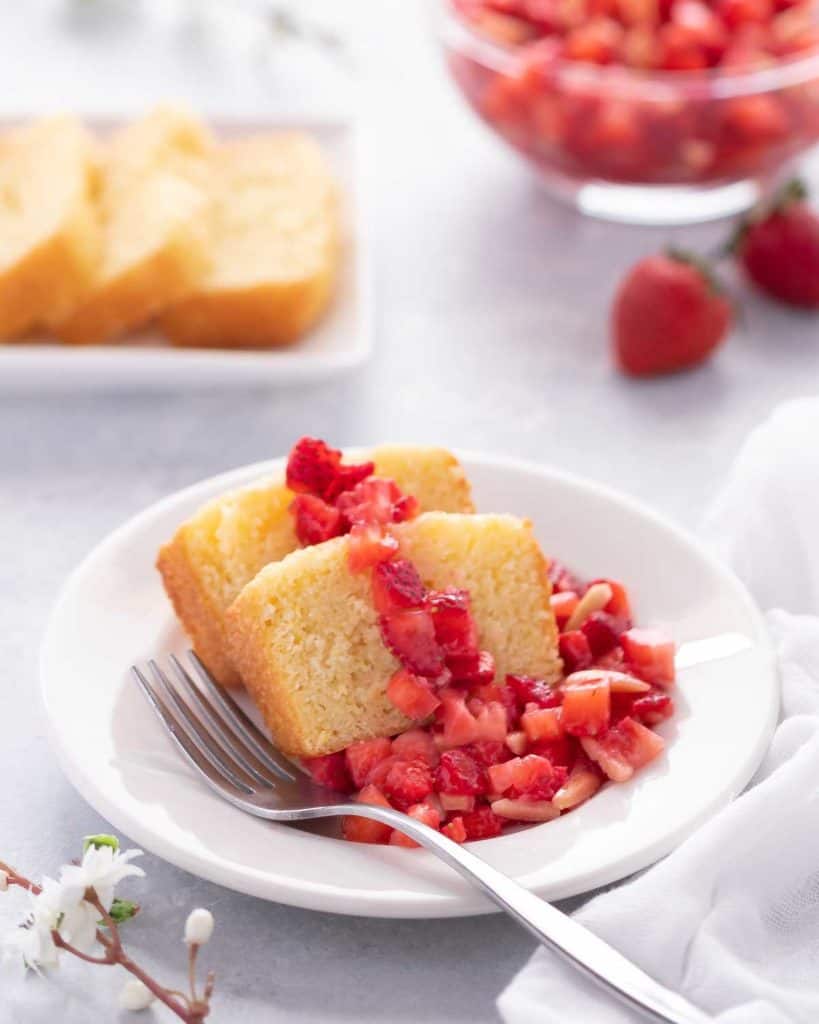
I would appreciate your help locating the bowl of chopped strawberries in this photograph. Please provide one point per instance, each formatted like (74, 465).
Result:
(643, 111)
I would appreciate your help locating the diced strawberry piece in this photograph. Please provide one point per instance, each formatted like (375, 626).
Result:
(535, 777)
(455, 830)
(624, 749)
(531, 776)
(488, 752)
(460, 773)
(682, 49)
(595, 42)
(312, 467)
(614, 661)
(348, 477)
(619, 605)
(369, 545)
(525, 809)
(380, 771)
(396, 585)
(490, 722)
(487, 692)
(561, 579)
(736, 13)
(457, 720)
(563, 605)
(363, 756)
(407, 783)
(621, 706)
(315, 520)
(454, 626)
(372, 501)
(474, 669)
(602, 632)
(406, 507)
(652, 708)
(456, 802)
(482, 824)
(533, 691)
(584, 780)
(410, 635)
(575, 651)
(330, 770)
(542, 724)
(424, 813)
(587, 706)
(650, 654)
(502, 776)
(513, 707)
(412, 694)
(366, 830)
(561, 752)
(416, 744)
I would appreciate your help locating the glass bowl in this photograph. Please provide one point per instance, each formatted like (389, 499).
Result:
(668, 147)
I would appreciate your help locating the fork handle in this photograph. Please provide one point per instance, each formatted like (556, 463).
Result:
(554, 929)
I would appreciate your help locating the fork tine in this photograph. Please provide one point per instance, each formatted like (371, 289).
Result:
(242, 725)
(207, 744)
(229, 740)
(203, 763)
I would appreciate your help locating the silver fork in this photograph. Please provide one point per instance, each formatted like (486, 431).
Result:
(237, 761)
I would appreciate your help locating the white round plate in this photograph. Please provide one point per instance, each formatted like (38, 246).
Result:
(113, 613)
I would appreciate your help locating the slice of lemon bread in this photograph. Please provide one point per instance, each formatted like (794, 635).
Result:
(155, 210)
(49, 237)
(276, 247)
(222, 547)
(304, 632)
(168, 139)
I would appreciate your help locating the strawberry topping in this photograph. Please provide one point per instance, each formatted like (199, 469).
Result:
(316, 521)
(315, 468)
(330, 770)
(407, 783)
(458, 772)
(396, 584)
(410, 635)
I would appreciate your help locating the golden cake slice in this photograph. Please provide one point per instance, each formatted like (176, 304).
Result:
(49, 237)
(305, 636)
(276, 247)
(222, 547)
(155, 210)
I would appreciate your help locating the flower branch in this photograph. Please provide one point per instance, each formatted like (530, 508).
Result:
(78, 915)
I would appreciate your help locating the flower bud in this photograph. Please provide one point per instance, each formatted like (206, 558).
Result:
(198, 927)
(4, 881)
(135, 995)
(99, 841)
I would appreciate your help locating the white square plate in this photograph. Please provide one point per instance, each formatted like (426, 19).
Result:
(341, 340)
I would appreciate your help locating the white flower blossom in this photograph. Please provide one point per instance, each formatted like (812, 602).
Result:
(79, 924)
(101, 869)
(135, 995)
(33, 939)
(198, 927)
(61, 906)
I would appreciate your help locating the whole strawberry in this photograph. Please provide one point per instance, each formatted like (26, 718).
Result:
(778, 247)
(669, 314)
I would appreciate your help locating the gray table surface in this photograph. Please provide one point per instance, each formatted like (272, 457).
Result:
(491, 334)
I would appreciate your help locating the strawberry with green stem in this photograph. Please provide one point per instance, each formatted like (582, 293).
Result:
(669, 314)
(777, 246)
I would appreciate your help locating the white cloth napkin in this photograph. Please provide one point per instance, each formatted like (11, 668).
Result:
(731, 918)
